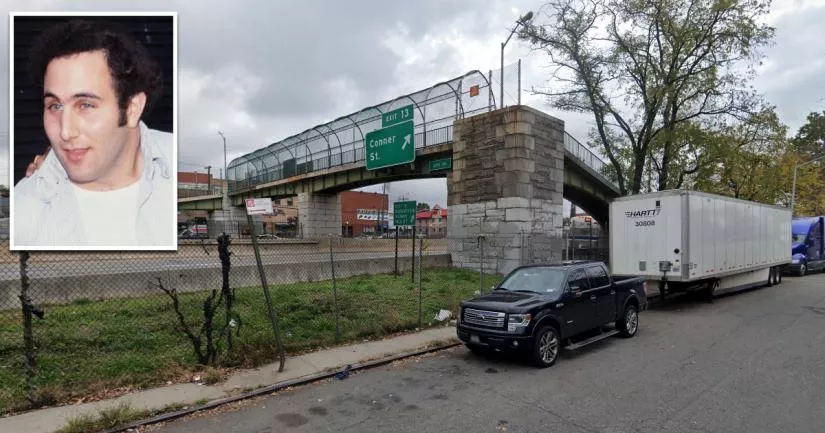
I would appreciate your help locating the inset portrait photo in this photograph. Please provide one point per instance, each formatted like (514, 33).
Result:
(93, 121)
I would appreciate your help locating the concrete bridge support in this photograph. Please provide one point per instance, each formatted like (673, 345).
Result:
(506, 185)
(319, 215)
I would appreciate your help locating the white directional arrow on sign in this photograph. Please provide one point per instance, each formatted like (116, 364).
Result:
(406, 141)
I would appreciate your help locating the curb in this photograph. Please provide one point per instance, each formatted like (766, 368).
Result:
(279, 386)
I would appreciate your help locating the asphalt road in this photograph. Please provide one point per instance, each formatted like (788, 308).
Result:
(750, 362)
(106, 267)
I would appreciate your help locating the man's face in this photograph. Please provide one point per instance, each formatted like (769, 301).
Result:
(81, 115)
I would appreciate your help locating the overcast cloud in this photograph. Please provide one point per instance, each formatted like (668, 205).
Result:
(262, 71)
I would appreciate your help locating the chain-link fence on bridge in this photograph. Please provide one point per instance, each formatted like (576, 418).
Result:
(77, 326)
(506, 85)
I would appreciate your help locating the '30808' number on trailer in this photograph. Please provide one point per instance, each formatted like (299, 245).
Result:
(645, 223)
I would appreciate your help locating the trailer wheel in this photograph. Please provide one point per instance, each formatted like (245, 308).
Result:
(771, 278)
(779, 273)
(711, 290)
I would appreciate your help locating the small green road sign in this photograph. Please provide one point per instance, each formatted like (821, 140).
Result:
(441, 164)
(399, 115)
(393, 145)
(404, 213)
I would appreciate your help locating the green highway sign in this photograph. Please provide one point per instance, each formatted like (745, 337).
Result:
(404, 213)
(393, 145)
(441, 164)
(399, 115)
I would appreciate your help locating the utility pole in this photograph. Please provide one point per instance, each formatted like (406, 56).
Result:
(208, 180)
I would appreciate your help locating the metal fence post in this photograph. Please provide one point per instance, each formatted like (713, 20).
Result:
(28, 340)
(420, 265)
(226, 291)
(481, 264)
(519, 82)
(412, 271)
(334, 294)
(273, 320)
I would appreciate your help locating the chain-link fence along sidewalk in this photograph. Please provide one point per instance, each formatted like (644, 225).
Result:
(84, 326)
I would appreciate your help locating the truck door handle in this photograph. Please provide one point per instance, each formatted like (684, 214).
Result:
(592, 297)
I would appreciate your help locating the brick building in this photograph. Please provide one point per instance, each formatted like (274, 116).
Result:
(432, 223)
(194, 184)
(361, 213)
(284, 221)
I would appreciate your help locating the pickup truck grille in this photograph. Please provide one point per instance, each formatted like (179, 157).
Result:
(492, 319)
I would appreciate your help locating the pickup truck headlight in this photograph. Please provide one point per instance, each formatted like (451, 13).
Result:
(795, 261)
(518, 321)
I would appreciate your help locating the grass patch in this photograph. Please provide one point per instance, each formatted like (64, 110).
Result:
(90, 348)
(212, 375)
(106, 419)
(110, 418)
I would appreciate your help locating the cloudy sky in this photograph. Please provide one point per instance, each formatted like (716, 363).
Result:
(260, 72)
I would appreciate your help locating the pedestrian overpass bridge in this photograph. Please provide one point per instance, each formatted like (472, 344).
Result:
(330, 158)
(509, 167)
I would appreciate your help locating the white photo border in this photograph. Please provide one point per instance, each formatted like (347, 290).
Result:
(173, 226)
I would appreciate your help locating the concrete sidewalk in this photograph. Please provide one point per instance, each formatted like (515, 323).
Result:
(310, 364)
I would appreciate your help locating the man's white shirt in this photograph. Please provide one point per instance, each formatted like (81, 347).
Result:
(109, 216)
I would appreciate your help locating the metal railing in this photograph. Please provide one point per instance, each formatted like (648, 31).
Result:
(345, 154)
(354, 152)
(586, 156)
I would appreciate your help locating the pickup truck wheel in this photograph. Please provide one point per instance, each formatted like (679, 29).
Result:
(629, 322)
(546, 347)
(802, 269)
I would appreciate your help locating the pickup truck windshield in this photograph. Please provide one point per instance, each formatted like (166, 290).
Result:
(537, 279)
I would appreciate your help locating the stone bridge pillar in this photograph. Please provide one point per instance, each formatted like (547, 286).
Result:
(319, 215)
(506, 185)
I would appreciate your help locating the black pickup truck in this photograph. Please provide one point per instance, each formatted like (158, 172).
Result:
(538, 308)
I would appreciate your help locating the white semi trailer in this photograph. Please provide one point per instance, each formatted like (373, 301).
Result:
(687, 240)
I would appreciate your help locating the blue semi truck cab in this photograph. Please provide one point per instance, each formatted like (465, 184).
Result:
(807, 245)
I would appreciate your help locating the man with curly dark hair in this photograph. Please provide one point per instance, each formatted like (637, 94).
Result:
(107, 180)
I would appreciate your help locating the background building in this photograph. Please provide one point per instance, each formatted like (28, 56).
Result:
(432, 223)
(581, 234)
(194, 184)
(364, 213)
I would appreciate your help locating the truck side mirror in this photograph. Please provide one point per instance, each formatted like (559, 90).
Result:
(576, 291)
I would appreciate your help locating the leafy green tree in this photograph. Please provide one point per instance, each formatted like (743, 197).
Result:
(747, 159)
(645, 68)
(810, 139)
(808, 145)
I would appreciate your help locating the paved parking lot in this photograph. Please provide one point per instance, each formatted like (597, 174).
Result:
(750, 362)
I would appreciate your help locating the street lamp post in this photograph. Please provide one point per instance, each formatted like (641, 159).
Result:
(225, 189)
(793, 187)
(527, 17)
